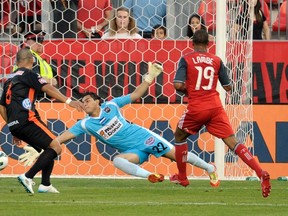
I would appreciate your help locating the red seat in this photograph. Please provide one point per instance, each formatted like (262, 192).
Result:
(8, 52)
(266, 11)
(280, 21)
(207, 10)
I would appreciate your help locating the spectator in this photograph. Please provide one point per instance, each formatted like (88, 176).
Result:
(122, 26)
(64, 18)
(147, 14)
(93, 17)
(195, 23)
(159, 32)
(28, 17)
(4, 14)
(260, 25)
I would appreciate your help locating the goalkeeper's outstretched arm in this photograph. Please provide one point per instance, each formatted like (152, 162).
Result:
(153, 71)
(64, 137)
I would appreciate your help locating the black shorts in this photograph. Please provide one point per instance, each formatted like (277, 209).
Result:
(35, 134)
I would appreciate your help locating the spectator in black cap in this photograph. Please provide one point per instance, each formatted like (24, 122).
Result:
(34, 40)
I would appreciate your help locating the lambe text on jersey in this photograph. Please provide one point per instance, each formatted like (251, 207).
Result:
(202, 59)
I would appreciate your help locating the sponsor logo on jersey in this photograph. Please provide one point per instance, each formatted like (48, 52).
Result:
(20, 72)
(112, 127)
(26, 103)
(15, 74)
(42, 80)
(13, 123)
(150, 141)
(107, 109)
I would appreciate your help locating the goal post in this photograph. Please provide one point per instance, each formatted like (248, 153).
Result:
(221, 52)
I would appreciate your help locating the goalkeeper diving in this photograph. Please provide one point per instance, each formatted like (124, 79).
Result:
(135, 143)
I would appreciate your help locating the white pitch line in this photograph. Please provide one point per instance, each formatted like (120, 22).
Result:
(148, 203)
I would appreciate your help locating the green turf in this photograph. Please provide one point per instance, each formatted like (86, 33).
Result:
(85, 197)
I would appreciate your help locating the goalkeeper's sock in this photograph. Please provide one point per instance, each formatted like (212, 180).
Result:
(242, 151)
(43, 161)
(130, 168)
(46, 173)
(181, 150)
(198, 162)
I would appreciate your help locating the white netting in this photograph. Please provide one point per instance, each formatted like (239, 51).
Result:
(239, 61)
(113, 68)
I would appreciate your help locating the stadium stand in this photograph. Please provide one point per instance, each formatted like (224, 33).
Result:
(280, 22)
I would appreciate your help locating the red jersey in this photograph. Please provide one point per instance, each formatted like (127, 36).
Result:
(200, 72)
(91, 13)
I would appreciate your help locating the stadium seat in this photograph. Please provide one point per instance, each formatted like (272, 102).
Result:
(266, 11)
(280, 21)
(207, 10)
(8, 52)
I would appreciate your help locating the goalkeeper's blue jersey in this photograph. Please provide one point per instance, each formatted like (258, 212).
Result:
(111, 127)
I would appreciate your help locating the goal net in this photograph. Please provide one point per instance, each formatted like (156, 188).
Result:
(112, 68)
(239, 101)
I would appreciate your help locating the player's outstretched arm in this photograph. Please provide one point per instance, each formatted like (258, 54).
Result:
(153, 71)
(64, 137)
(55, 93)
(3, 112)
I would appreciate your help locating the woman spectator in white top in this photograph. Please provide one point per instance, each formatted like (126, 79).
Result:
(122, 26)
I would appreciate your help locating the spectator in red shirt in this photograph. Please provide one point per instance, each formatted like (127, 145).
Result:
(92, 17)
(25, 20)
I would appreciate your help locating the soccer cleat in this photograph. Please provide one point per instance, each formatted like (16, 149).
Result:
(153, 178)
(265, 184)
(175, 179)
(47, 189)
(214, 181)
(27, 183)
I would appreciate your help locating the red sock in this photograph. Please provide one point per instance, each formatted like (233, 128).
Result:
(181, 158)
(242, 151)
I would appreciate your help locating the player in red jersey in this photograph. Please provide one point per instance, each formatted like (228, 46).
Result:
(197, 76)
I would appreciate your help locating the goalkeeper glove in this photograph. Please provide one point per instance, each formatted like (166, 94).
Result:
(153, 71)
(29, 156)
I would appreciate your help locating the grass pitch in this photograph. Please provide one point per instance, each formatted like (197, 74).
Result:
(85, 197)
